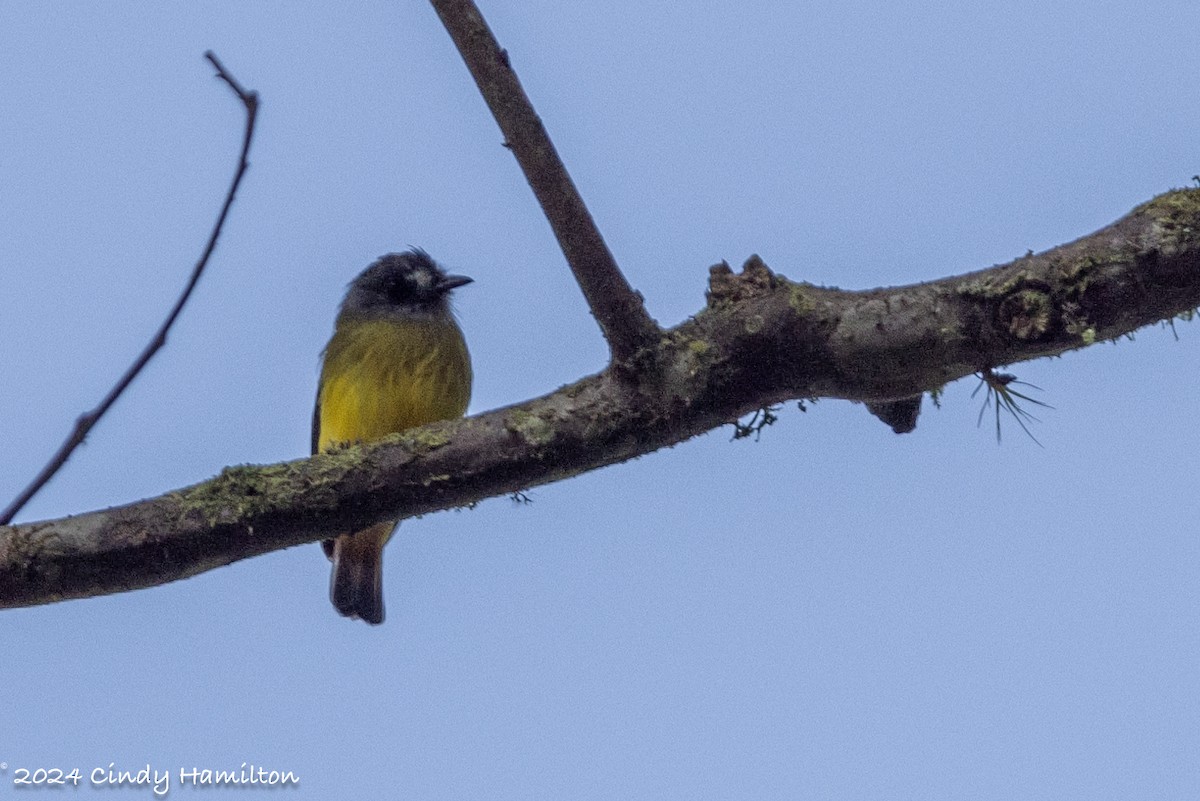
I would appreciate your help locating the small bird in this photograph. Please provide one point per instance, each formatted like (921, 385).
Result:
(397, 359)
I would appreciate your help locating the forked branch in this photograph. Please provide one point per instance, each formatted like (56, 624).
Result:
(759, 340)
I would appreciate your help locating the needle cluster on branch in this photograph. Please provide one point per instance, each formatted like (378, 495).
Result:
(759, 339)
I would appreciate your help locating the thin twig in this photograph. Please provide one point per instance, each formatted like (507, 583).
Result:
(88, 420)
(617, 308)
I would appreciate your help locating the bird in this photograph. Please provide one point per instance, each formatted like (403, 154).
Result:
(397, 359)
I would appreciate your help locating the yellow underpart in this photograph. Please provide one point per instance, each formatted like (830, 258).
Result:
(383, 376)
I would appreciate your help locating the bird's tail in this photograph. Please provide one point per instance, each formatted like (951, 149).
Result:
(356, 586)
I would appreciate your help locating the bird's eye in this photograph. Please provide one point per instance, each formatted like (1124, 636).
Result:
(400, 291)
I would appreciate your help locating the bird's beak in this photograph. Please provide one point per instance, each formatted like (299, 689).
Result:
(453, 282)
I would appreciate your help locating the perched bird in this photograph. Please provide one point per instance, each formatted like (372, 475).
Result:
(397, 359)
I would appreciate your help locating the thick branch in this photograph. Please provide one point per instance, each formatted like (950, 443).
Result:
(617, 308)
(761, 339)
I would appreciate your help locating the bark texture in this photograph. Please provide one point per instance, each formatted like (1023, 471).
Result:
(760, 339)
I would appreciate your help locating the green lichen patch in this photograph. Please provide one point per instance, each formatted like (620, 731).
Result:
(800, 299)
(1178, 209)
(1176, 217)
(996, 286)
(240, 491)
(529, 427)
(426, 439)
(1077, 275)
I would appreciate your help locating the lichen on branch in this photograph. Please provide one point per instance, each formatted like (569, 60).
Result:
(760, 339)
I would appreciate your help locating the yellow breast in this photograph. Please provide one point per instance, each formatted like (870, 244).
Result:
(383, 376)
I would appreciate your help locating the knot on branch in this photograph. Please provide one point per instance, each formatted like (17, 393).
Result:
(755, 280)
(1027, 314)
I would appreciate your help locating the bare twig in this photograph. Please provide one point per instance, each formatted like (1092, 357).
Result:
(617, 308)
(88, 420)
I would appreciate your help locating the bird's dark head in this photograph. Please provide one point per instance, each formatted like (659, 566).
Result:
(408, 282)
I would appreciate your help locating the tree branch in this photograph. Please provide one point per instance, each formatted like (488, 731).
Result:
(761, 339)
(88, 420)
(617, 308)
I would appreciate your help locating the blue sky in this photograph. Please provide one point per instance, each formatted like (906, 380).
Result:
(831, 612)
